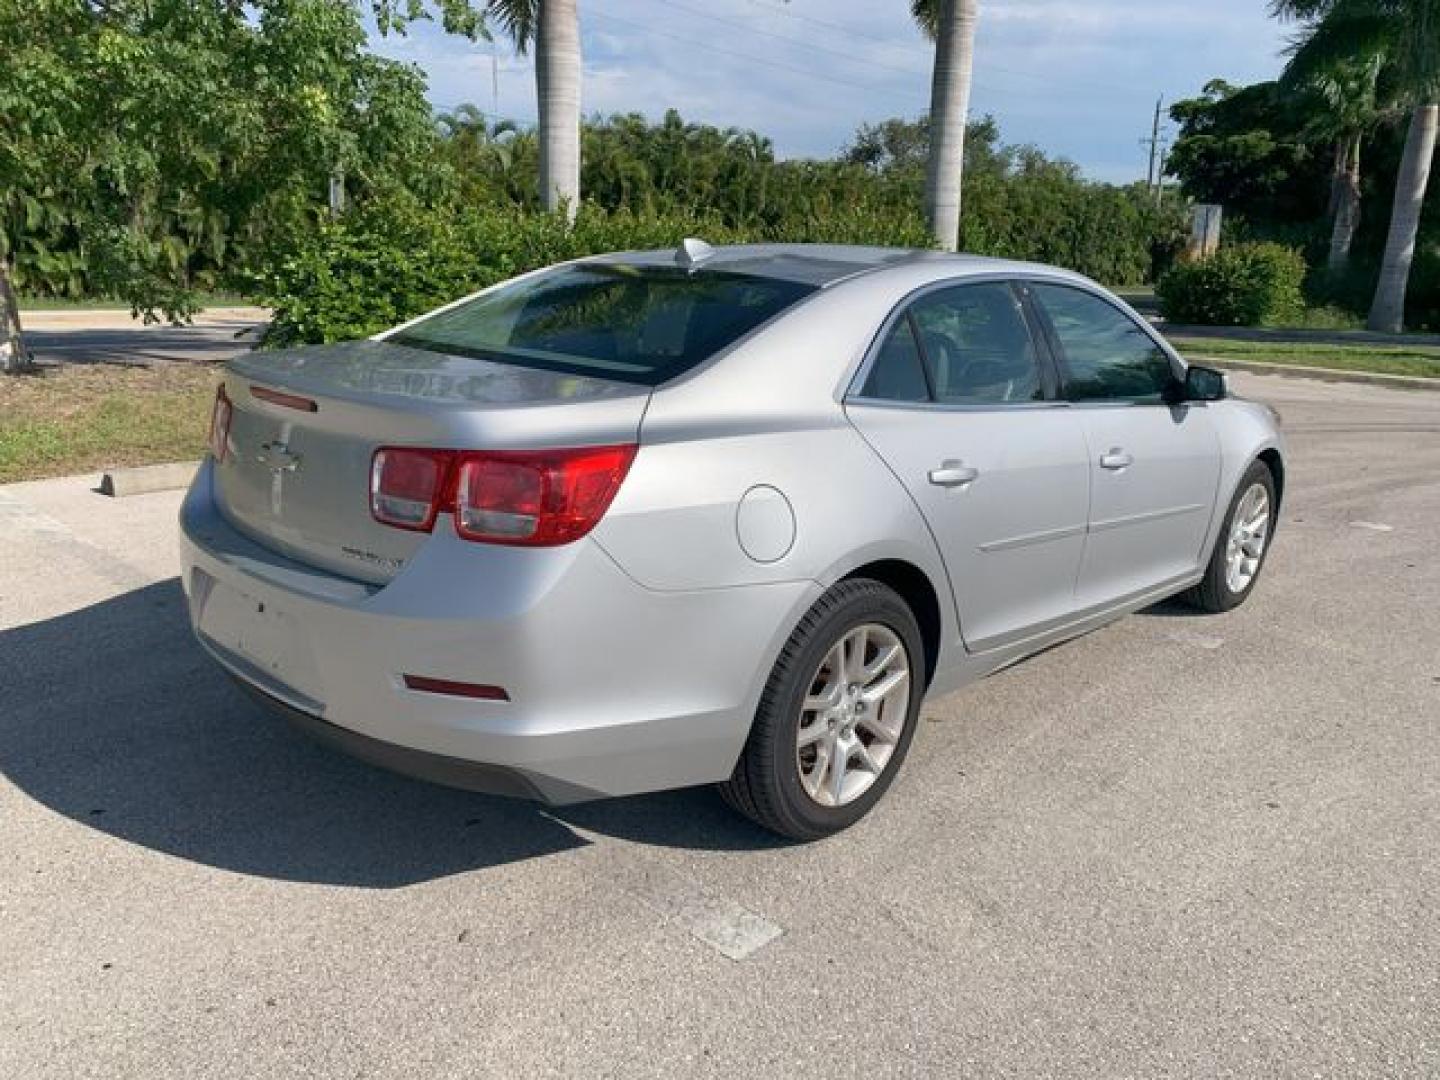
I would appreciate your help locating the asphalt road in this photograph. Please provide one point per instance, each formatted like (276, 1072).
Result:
(1183, 845)
(84, 337)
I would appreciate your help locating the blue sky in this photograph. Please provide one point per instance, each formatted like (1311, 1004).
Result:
(1078, 79)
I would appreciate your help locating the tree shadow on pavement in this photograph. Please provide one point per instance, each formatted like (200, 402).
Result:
(113, 716)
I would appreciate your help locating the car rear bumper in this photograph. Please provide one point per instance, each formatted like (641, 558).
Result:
(614, 688)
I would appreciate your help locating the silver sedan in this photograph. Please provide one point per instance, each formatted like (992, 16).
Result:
(670, 518)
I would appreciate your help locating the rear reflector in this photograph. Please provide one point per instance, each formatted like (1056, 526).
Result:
(534, 498)
(288, 401)
(456, 689)
(220, 415)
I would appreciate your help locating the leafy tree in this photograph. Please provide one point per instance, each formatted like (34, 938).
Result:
(1248, 149)
(149, 147)
(1408, 33)
(487, 155)
(893, 146)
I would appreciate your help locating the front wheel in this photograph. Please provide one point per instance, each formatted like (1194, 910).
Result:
(1244, 542)
(837, 715)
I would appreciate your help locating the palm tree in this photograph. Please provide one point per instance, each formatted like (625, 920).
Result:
(951, 24)
(1408, 33)
(552, 29)
(1349, 88)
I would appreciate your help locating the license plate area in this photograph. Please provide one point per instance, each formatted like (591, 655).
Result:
(260, 633)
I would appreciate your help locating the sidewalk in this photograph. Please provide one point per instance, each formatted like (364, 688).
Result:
(120, 319)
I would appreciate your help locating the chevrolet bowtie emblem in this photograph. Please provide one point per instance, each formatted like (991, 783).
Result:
(278, 456)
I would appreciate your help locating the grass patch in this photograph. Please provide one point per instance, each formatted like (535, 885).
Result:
(1326, 317)
(1419, 361)
(85, 418)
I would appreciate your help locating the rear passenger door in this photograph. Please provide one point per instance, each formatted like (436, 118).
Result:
(1154, 466)
(959, 398)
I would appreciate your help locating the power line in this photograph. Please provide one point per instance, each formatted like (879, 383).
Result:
(810, 45)
(854, 31)
(776, 9)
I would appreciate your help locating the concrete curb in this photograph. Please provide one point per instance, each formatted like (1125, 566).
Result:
(147, 478)
(1300, 371)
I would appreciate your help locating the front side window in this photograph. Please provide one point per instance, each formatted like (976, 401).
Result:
(1108, 356)
(642, 324)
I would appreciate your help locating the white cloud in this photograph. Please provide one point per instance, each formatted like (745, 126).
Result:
(1077, 79)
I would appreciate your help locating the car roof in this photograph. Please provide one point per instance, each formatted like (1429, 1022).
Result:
(821, 264)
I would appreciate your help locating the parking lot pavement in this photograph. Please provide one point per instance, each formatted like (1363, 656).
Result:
(109, 337)
(1184, 845)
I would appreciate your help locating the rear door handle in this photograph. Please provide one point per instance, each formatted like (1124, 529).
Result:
(1116, 459)
(953, 474)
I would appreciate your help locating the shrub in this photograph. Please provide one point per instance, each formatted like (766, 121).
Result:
(1422, 298)
(1242, 285)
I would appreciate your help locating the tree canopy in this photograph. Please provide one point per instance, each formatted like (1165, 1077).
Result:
(147, 145)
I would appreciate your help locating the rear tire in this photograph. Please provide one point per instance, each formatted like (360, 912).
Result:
(837, 716)
(1242, 545)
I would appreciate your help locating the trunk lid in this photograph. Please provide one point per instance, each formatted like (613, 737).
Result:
(298, 480)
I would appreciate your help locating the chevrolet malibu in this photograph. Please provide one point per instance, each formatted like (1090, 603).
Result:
(712, 515)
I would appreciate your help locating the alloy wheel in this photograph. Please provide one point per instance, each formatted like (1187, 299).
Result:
(1249, 530)
(854, 715)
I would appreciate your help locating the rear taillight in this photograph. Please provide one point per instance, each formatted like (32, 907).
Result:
(542, 498)
(407, 487)
(537, 498)
(220, 415)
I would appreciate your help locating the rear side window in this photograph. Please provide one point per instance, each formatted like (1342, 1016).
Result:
(978, 347)
(966, 345)
(637, 324)
(898, 373)
(1107, 355)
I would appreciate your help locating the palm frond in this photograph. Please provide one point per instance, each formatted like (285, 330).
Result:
(517, 18)
(927, 14)
(1339, 48)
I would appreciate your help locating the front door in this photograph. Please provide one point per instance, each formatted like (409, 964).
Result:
(961, 404)
(1154, 466)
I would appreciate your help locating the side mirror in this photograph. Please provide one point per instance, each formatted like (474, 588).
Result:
(1205, 384)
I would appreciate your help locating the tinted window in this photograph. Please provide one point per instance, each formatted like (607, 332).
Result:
(638, 324)
(977, 345)
(1108, 356)
(896, 374)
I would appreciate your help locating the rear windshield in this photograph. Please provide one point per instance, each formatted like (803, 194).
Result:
(638, 324)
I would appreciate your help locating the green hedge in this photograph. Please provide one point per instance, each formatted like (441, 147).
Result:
(1241, 285)
(394, 259)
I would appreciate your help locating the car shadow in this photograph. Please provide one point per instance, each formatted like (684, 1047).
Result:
(112, 716)
(1173, 608)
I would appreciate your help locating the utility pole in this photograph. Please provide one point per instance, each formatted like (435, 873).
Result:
(1154, 178)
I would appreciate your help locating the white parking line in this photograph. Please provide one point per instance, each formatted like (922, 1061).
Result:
(721, 923)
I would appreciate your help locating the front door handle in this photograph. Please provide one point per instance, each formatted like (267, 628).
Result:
(953, 474)
(1116, 459)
